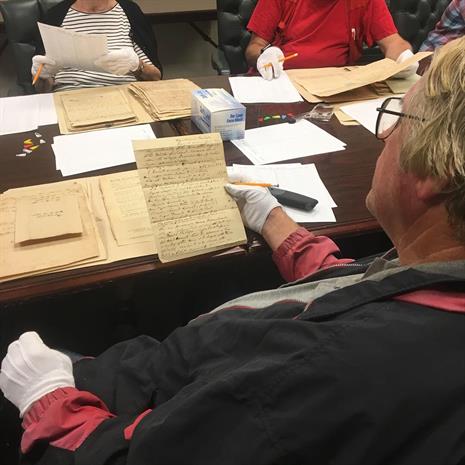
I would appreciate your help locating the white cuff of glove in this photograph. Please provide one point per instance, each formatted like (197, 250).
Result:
(255, 204)
(31, 370)
(49, 68)
(272, 56)
(407, 72)
(120, 62)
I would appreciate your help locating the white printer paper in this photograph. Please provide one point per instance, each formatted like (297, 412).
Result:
(73, 49)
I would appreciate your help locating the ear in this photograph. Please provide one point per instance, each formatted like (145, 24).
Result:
(429, 188)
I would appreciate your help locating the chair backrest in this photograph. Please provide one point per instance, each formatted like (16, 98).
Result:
(414, 19)
(20, 18)
(233, 37)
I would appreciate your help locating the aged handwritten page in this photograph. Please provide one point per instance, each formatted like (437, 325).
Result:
(17, 259)
(87, 99)
(183, 182)
(107, 246)
(126, 207)
(166, 99)
(88, 110)
(47, 216)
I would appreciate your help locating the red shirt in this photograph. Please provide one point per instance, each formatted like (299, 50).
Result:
(322, 32)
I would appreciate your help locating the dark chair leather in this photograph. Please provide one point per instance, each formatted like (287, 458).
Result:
(416, 18)
(413, 18)
(20, 19)
(233, 37)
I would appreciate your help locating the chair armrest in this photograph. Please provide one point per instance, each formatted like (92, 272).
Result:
(219, 63)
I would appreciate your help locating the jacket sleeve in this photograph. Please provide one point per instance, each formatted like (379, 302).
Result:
(303, 253)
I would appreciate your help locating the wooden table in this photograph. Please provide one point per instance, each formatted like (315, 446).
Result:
(347, 175)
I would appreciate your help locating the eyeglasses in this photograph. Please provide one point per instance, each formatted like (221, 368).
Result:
(389, 117)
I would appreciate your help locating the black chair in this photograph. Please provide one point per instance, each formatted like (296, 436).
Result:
(20, 19)
(413, 18)
(233, 36)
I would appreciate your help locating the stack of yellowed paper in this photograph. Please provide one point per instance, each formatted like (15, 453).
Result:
(165, 100)
(348, 84)
(115, 106)
(73, 224)
(100, 107)
(183, 182)
(92, 111)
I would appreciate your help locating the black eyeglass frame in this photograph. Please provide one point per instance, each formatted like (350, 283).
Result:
(400, 114)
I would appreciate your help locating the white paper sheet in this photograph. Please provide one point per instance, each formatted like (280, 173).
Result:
(47, 113)
(73, 49)
(18, 114)
(26, 113)
(89, 151)
(286, 141)
(302, 179)
(255, 89)
(365, 112)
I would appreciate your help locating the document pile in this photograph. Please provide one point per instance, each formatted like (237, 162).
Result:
(103, 107)
(183, 182)
(84, 112)
(165, 100)
(89, 151)
(271, 144)
(347, 84)
(294, 177)
(73, 224)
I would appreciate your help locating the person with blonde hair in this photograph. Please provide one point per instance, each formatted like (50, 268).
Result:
(353, 362)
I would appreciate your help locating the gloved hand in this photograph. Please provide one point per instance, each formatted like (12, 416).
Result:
(270, 55)
(120, 61)
(407, 72)
(30, 370)
(49, 69)
(255, 204)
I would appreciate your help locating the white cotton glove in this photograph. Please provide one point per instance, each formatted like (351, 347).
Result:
(120, 62)
(30, 370)
(255, 204)
(49, 69)
(407, 72)
(270, 55)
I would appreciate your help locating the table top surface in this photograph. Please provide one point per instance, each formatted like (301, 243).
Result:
(347, 175)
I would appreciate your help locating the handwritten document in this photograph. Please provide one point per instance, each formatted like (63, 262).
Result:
(84, 110)
(17, 259)
(164, 100)
(73, 49)
(183, 182)
(47, 216)
(125, 204)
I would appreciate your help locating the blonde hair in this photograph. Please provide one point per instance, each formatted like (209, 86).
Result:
(435, 147)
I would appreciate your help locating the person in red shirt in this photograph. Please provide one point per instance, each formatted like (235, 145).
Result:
(322, 33)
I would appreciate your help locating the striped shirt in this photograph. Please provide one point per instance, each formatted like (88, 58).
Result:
(115, 25)
(450, 27)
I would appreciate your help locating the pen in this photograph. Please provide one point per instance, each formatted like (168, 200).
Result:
(39, 70)
(255, 184)
(288, 57)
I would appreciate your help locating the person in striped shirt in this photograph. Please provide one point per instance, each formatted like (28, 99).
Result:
(132, 49)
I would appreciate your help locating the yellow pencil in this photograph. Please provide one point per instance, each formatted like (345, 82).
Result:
(288, 57)
(39, 70)
(256, 184)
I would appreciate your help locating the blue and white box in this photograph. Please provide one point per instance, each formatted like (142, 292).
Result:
(214, 110)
